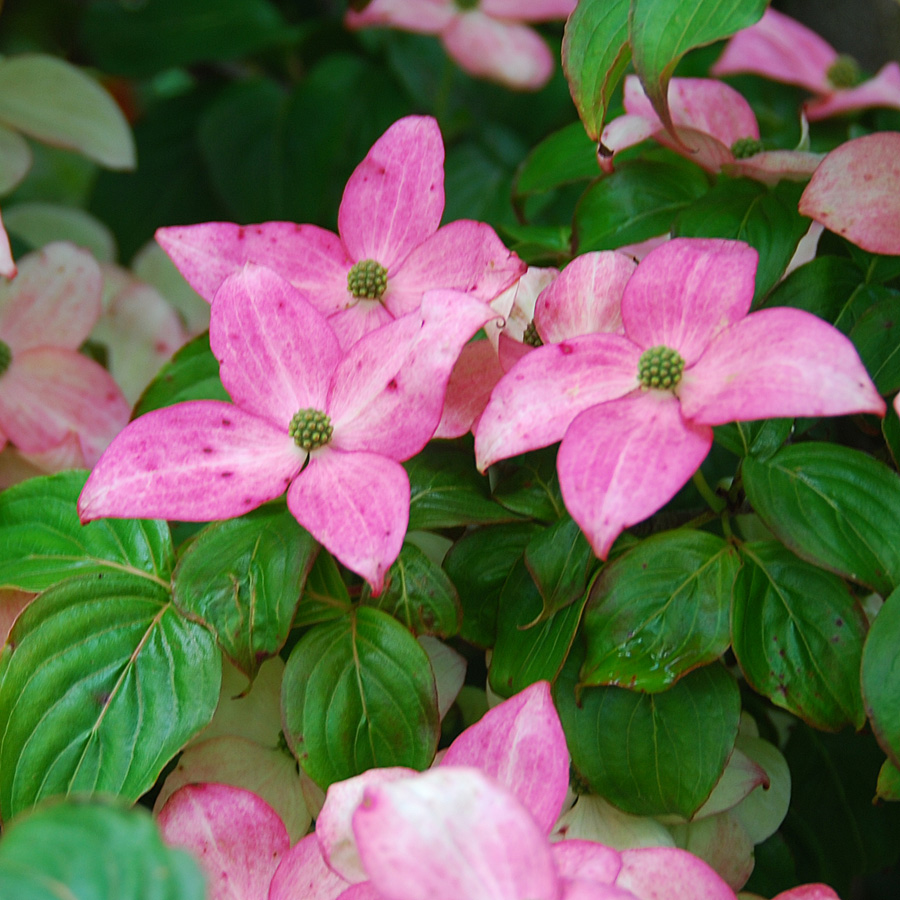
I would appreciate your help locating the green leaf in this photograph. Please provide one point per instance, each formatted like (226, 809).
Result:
(877, 338)
(419, 594)
(660, 611)
(561, 158)
(880, 684)
(42, 540)
(890, 429)
(833, 506)
(745, 210)
(529, 485)
(526, 652)
(102, 683)
(15, 159)
(94, 850)
(595, 54)
(41, 223)
(888, 782)
(446, 490)
(52, 101)
(325, 596)
(640, 200)
(242, 578)
(662, 31)
(359, 693)
(798, 635)
(759, 439)
(479, 564)
(651, 754)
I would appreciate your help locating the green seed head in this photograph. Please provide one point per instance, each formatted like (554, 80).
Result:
(844, 72)
(744, 148)
(660, 367)
(531, 336)
(367, 280)
(310, 429)
(5, 357)
(466, 4)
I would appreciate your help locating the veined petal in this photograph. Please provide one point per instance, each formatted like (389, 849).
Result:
(521, 744)
(667, 873)
(423, 16)
(881, 90)
(67, 454)
(395, 197)
(622, 461)
(54, 301)
(195, 461)
(511, 54)
(277, 353)
(687, 291)
(473, 378)
(464, 255)
(808, 892)
(528, 10)
(713, 108)
(354, 323)
(587, 860)
(777, 363)
(311, 258)
(586, 297)
(780, 48)
(48, 393)
(451, 833)
(515, 306)
(623, 132)
(510, 351)
(771, 166)
(357, 506)
(303, 875)
(536, 401)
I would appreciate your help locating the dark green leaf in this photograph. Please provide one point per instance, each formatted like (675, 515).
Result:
(759, 439)
(529, 485)
(880, 682)
(877, 338)
(890, 428)
(325, 596)
(798, 635)
(565, 156)
(359, 693)
(889, 782)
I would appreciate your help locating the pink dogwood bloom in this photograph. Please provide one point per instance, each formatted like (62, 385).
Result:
(715, 126)
(390, 249)
(780, 48)
(331, 428)
(635, 410)
(7, 263)
(485, 37)
(59, 408)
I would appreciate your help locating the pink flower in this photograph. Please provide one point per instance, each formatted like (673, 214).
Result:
(485, 37)
(635, 411)
(390, 249)
(331, 428)
(59, 408)
(716, 129)
(856, 192)
(7, 263)
(780, 48)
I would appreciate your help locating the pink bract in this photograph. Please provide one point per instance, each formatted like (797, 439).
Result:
(628, 448)
(280, 358)
(389, 217)
(7, 263)
(488, 41)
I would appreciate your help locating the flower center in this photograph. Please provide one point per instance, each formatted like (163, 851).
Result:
(744, 148)
(310, 429)
(5, 357)
(367, 280)
(531, 336)
(844, 72)
(466, 4)
(660, 367)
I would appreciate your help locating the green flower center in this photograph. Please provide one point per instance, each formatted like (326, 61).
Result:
(5, 357)
(844, 72)
(367, 280)
(466, 4)
(310, 429)
(531, 336)
(660, 367)
(744, 148)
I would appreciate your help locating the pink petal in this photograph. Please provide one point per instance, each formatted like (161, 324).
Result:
(777, 363)
(511, 54)
(424, 16)
(357, 506)
(311, 258)
(515, 306)
(771, 166)
(528, 10)
(47, 393)
(195, 462)
(54, 301)
(237, 838)
(277, 353)
(713, 108)
(721, 842)
(473, 378)
(354, 323)
(686, 291)
(808, 892)
(395, 197)
(303, 875)
(780, 48)
(334, 827)
(588, 860)
(7, 263)
(389, 390)
(464, 255)
(536, 401)
(511, 351)
(607, 452)
(67, 454)
(666, 873)
(882, 90)
(587, 297)
(623, 132)
(451, 833)
(582, 889)
(854, 192)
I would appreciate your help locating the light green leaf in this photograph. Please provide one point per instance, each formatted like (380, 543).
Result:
(15, 159)
(41, 223)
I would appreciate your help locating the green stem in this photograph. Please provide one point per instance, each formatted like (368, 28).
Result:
(716, 503)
